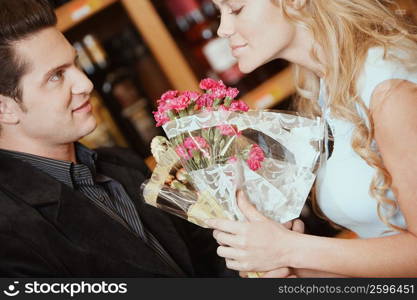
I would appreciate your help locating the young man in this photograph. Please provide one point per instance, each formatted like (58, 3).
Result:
(66, 210)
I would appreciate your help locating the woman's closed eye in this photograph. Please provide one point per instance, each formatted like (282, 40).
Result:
(236, 11)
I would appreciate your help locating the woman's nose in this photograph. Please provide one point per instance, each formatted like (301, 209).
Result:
(226, 28)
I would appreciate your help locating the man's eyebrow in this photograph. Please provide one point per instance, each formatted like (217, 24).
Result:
(64, 66)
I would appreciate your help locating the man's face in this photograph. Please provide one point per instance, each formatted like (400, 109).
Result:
(55, 91)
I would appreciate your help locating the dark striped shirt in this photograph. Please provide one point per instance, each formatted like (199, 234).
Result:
(105, 192)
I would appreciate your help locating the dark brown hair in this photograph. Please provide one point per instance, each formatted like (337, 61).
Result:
(18, 20)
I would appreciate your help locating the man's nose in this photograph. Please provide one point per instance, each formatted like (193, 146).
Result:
(82, 84)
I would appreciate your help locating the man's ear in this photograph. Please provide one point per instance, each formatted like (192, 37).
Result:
(9, 111)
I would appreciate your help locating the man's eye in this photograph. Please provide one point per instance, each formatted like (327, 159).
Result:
(57, 76)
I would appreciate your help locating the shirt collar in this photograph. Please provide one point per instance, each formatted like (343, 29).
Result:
(63, 171)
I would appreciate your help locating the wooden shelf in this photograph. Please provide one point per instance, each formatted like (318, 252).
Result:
(76, 11)
(161, 43)
(272, 91)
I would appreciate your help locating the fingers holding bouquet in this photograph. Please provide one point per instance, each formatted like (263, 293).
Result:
(257, 244)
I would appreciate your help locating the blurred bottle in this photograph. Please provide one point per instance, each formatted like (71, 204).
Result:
(128, 49)
(209, 9)
(134, 107)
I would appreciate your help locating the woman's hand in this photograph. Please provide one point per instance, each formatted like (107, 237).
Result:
(258, 244)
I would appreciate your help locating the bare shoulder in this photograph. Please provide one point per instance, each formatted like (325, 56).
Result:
(394, 105)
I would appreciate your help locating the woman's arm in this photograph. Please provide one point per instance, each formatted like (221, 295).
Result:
(262, 245)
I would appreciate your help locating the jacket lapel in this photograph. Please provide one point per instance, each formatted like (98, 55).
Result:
(105, 235)
(155, 220)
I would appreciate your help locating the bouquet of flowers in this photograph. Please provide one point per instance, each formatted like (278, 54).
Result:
(216, 145)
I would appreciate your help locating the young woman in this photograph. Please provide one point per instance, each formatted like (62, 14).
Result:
(356, 66)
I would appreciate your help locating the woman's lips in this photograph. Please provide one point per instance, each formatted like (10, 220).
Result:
(238, 48)
(86, 107)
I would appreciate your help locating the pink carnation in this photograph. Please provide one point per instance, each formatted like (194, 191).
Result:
(182, 152)
(193, 96)
(205, 100)
(164, 107)
(195, 143)
(160, 117)
(256, 157)
(166, 99)
(209, 84)
(254, 165)
(228, 130)
(219, 92)
(239, 106)
(169, 95)
(232, 93)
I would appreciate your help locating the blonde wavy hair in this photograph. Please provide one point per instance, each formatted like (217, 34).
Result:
(345, 31)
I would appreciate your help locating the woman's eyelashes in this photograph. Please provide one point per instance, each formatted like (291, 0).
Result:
(236, 11)
(231, 11)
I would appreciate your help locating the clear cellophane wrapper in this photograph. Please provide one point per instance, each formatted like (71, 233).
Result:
(217, 165)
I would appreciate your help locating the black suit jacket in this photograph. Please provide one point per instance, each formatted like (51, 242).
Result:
(48, 230)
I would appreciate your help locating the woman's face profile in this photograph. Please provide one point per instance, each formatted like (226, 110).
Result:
(256, 30)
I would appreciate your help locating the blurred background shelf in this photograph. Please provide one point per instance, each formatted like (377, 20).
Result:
(272, 92)
(74, 12)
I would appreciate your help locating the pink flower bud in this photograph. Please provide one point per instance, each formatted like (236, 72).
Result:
(256, 157)
(182, 152)
(169, 95)
(232, 93)
(218, 93)
(228, 130)
(180, 103)
(193, 96)
(239, 106)
(205, 100)
(209, 84)
(195, 143)
(160, 117)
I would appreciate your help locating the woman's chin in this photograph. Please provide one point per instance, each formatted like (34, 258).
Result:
(246, 68)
